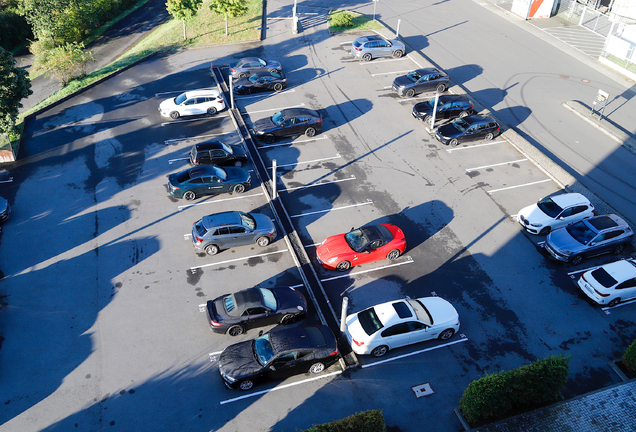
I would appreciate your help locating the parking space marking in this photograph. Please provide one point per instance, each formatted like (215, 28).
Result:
(263, 95)
(9, 180)
(317, 184)
(518, 186)
(408, 261)
(416, 98)
(384, 61)
(195, 119)
(187, 236)
(331, 209)
(312, 245)
(293, 142)
(272, 109)
(238, 259)
(624, 303)
(494, 165)
(217, 201)
(262, 392)
(475, 146)
(346, 43)
(176, 160)
(170, 141)
(583, 270)
(414, 353)
(183, 91)
(389, 73)
(337, 156)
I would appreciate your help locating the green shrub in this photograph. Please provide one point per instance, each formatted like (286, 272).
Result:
(342, 19)
(500, 395)
(365, 421)
(629, 358)
(14, 29)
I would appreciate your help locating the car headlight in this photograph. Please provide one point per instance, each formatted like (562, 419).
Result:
(257, 132)
(535, 224)
(228, 378)
(332, 260)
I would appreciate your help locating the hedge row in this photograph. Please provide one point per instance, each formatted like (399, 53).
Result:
(495, 397)
(365, 421)
(629, 358)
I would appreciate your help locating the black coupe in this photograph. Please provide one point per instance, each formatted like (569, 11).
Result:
(288, 122)
(448, 107)
(260, 81)
(208, 180)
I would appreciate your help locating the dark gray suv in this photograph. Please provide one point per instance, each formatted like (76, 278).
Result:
(220, 231)
(594, 236)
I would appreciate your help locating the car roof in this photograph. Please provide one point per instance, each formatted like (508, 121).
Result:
(295, 112)
(221, 219)
(621, 270)
(569, 199)
(474, 119)
(209, 145)
(369, 38)
(248, 298)
(426, 71)
(301, 338)
(250, 59)
(195, 93)
(374, 232)
(607, 221)
(202, 170)
(453, 98)
(388, 314)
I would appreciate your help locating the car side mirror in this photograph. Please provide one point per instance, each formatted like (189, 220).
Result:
(593, 244)
(272, 368)
(260, 333)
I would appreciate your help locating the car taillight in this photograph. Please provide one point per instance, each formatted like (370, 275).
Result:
(357, 343)
(199, 240)
(214, 323)
(319, 121)
(601, 294)
(335, 352)
(357, 49)
(220, 100)
(233, 70)
(173, 187)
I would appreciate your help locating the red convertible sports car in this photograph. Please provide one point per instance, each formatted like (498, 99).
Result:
(361, 246)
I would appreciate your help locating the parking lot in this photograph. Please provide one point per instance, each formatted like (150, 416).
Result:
(113, 306)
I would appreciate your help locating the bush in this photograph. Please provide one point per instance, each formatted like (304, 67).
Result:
(500, 395)
(342, 19)
(365, 421)
(14, 29)
(629, 358)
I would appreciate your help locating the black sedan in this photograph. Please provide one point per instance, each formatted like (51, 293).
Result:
(217, 153)
(448, 107)
(420, 80)
(208, 180)
(468, 129)
(248, 65)
(288, 122)
(277, 355)
(255, 307)
(260, 81)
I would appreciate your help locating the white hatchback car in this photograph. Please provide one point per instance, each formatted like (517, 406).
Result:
(555, 212)
(193, 103)
(394, 324)
(611, 283)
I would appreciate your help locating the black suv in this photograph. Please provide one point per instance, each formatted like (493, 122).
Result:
(217, 153)
(448, 107)
(469, 128)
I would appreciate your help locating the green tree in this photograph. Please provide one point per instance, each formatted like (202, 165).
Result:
(65, 62)
(183, 9)
(15, 85)
(229, 9)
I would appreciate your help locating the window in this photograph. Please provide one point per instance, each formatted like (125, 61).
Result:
(256, 311)
(396, 330)
(189, 102)
(287, 357)
(627, 284)
(579, 209)
(196, 181)
(217, 153)
(237, 230)
(415, 326)
(376, 244)
(222, 231)
(200, 100)
(210, 99)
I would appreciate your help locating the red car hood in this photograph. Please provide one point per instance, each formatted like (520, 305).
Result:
(334, 246)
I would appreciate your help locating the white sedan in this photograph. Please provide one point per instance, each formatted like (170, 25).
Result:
(394, 324)
(555, 212)
(611, 283)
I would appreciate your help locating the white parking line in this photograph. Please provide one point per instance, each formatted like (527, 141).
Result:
(273, 109)
(238, 259)
(345, 43)
(9, 180)
(394, 72)
(416, 98)
(518, 186)
(183, 91)
(293, 142)
(408, 261)
(475, 146)
(414, 353)
(312, 245)
(195, 119)
(332, 209)
(297, 286)
(384, 61)
(263, 95)
(583, 270)
(170, 141)
(262, 392)
(176, 160)
(494, 165)
(187, 236)
(307, 162)
(217, 201)
(624, 303)
(317, 184)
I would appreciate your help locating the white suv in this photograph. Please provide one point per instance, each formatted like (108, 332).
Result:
(192, 103)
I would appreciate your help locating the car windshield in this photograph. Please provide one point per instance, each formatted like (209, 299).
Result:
(278, 118)
(219, 172)
(356, 43)
(179, 99)
(199, 228)
(461, 125)
(239, 63)
(356, 240)
(248, 220)
(227, 148)
(253, 78)
(549, 207)
(269, 299)
(413, 76)
(604, 278)
(228, 303)
(431, 103)
(421, 312)
(370, 321)
(263, 349)
(581, 232)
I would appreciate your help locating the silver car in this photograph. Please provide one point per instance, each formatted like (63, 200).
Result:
(589, 237)
(369, 47)
(225, 230)
(249, 65)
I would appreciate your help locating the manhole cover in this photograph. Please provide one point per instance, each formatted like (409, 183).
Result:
(585, 80)
(564, 76)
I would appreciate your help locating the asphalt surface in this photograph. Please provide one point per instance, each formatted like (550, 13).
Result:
(104, 328)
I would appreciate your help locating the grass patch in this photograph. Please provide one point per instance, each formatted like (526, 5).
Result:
(622, 63)
(360, 22)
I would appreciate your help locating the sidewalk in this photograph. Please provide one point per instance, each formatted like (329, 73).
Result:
(115, 42)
